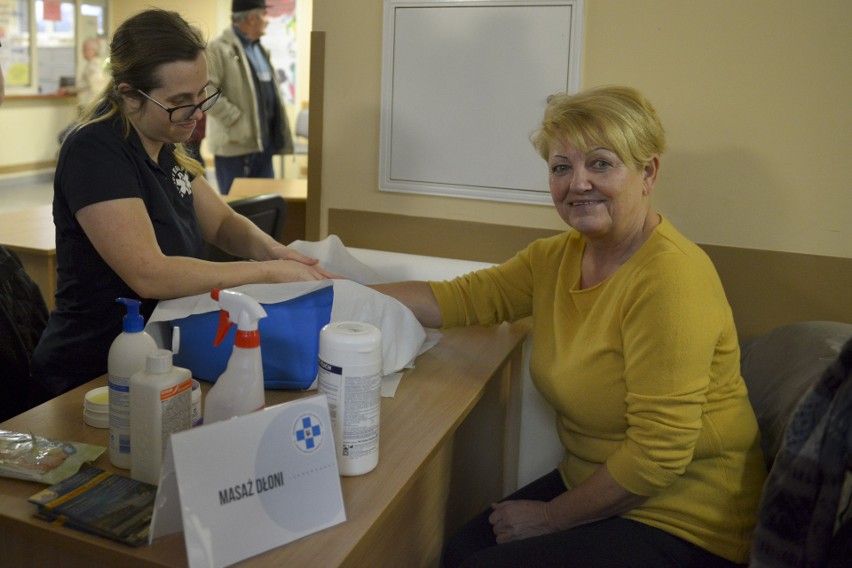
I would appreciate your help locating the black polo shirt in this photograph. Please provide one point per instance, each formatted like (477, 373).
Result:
(99, 163)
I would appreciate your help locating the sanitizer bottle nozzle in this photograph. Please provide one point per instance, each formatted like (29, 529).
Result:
(239, 309)
(132, 320)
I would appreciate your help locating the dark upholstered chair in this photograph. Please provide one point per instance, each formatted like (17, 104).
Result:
(23, 317)
(269, 212)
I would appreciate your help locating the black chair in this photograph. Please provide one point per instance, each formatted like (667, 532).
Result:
(269, 212)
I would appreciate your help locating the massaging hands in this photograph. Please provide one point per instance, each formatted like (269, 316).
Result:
(515, 520)
(297, 267)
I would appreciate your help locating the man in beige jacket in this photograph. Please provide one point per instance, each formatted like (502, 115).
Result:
(248, 125)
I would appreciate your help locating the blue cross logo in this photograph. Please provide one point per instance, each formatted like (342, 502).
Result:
(307, 432)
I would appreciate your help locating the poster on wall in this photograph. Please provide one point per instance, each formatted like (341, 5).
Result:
(280, 40)
(14, 55)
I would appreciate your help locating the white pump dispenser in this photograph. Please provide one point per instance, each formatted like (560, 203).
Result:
(239, 390)
(126, 357)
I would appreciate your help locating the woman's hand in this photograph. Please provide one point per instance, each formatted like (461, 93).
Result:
(297, 270)
(310, 269)
(282, 252)
(598, 497)
(515, 520)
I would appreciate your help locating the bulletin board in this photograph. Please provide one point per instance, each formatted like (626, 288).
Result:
(15, 36)
(280, 40)
(464, 85)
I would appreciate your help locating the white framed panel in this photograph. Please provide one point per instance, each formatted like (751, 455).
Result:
(464, 84)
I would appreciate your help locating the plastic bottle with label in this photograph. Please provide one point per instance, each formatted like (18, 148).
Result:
(350, 375)
(160, 405)
(239, 389)
(126, 356)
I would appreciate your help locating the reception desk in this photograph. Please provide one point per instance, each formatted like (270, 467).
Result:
(449, 443)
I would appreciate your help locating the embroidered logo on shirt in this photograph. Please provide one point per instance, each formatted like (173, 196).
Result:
(180, 178)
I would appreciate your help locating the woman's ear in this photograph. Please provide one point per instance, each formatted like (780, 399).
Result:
(649, 174)
(128, 95)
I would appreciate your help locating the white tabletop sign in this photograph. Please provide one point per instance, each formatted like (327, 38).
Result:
(243, 486)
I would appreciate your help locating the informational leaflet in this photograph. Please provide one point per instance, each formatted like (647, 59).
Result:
(102, 503)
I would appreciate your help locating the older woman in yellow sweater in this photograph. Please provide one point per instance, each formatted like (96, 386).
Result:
(636, 349)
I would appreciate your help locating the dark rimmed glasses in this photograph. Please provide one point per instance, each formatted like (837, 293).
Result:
(184, 112)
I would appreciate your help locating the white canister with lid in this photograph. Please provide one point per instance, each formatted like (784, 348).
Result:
(350, 375)
(96, 407)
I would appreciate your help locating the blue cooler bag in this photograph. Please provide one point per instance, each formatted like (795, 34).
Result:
(289, 341)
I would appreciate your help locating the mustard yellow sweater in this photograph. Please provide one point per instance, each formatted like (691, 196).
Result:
(643, 370)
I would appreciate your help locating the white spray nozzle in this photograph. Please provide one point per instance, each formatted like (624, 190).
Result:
(239, 309)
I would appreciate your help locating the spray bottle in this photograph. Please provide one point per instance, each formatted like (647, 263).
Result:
(126, 356)
(239, 390)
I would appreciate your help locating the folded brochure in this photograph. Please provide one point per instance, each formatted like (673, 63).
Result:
(101, 503)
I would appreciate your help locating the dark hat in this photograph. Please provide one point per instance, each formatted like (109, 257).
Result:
(246, 5)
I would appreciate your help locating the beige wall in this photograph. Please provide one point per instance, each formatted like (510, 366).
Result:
(203, 13)
(754, 96)
(29, 132)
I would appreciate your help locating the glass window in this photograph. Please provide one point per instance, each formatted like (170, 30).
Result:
(57, 60)
(15, 34)
(97, 14)
(55, 43)
(92, 50)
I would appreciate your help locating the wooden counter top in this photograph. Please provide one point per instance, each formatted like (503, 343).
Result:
(448, 448)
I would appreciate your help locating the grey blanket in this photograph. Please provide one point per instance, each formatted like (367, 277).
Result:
(800, 500)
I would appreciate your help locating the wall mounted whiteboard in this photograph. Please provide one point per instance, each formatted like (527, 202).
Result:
(464, 84)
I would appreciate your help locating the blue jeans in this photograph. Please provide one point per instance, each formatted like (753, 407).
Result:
(257, 165)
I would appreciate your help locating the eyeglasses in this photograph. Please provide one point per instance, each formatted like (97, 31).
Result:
(184, 112)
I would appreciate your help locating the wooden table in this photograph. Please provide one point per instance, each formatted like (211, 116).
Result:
(31, 235)
(294, 192)
(448, 449)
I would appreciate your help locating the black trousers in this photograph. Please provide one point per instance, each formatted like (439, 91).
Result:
(610, 543)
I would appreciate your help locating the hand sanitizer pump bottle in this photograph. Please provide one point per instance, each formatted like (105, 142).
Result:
(239, 390)
(126, 356)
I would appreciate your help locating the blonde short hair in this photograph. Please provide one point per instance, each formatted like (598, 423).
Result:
(619, 119)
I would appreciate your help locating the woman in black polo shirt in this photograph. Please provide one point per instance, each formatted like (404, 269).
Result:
(132, 210)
